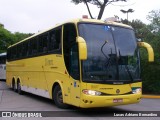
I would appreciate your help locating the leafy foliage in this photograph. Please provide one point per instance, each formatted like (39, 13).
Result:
(20, 36)
(7, 38)
(154, 18)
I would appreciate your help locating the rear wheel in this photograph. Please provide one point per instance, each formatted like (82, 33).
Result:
(58, 97)
(19, 88)
(13, 85)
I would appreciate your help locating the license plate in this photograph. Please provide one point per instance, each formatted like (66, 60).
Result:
(118, 100)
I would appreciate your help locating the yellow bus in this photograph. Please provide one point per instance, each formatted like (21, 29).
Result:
(83, 62)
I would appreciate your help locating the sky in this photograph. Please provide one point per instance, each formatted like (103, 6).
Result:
(31, 16)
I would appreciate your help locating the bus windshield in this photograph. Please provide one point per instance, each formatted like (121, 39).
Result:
(112, 53)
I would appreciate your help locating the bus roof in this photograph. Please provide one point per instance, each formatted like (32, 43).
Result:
(77, 21)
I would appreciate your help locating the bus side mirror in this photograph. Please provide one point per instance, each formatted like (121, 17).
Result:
(149, 49)
(82, 48)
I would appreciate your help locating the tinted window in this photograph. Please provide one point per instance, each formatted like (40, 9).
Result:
(70, 48)
(19, 51)
(38, 45)
(42, 43)
(33, 46)
(25, 49)
(54, 39)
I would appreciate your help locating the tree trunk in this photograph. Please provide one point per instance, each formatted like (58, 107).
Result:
(102, 9)
(88, 9)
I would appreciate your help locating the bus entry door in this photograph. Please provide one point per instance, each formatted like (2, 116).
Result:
(74, 76)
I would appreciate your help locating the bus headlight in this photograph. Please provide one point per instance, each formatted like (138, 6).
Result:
(137, 90)
(91, 92)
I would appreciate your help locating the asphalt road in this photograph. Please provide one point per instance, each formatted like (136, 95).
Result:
(11, 101)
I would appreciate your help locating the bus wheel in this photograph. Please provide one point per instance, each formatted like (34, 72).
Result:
(19, 88)
(13, 85)
(58, 97)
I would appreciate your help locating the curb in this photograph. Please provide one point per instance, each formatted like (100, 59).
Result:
(151, 96)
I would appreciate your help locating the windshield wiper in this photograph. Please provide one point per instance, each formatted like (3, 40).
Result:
(109, 58)
(102, 49)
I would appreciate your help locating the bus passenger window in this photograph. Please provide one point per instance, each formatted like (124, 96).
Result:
(42, 43)
(54, 39)
(14, 52)
(33, 44)
(57, 39)
(51, 40)
(25, 49)
(19, 51)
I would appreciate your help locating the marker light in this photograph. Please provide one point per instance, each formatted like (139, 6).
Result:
(91, 92)
(85, 16)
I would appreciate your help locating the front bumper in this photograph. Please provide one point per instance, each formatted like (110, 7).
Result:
(89, 101)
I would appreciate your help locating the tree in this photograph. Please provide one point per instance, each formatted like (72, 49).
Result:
(154, 27)
(7, 38)
(141, 29)
(1, 25)
(20, 36)
(154, 18)
(98, 3)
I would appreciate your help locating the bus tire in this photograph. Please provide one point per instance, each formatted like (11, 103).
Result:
(58, 97)
(14, 85)
(19, 90)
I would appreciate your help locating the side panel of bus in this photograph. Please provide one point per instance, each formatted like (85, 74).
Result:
(38, 74)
